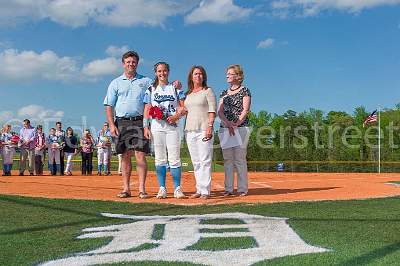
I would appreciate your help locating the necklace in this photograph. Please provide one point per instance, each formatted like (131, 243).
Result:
(235, 89)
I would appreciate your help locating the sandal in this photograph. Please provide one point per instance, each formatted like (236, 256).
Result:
(227, 194)
(124, 194)
(143, 195)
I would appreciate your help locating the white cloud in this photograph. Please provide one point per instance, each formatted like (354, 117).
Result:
(29, 64)
(267, 43)
(72, 13)
(220, 11)
(47, 65)
(37, 114)
(313, 7)
(6, 116)
(116, 51)
(102, 67)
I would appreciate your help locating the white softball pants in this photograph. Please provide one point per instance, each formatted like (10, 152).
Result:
(102, 156)
(167, 146)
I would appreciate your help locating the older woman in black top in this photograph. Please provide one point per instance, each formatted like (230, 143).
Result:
(233, 108)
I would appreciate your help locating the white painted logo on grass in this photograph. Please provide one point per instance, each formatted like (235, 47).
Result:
(272, 236)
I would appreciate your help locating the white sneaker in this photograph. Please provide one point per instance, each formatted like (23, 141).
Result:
(162, 193)
(178, 193)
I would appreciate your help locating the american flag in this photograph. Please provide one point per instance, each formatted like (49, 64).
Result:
(371, 118)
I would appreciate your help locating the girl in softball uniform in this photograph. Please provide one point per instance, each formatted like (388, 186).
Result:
(8, 150)
(53, 148)
(164, 131)
(102, 144)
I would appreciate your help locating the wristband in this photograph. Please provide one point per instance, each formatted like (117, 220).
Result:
(146, 122)
(210, 125)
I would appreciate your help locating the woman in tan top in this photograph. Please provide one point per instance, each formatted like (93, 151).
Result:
(200, 103)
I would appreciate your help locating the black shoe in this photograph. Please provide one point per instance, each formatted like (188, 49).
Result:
(31, 174)
(21, 174)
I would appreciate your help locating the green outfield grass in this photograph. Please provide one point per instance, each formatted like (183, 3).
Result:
(358, 232)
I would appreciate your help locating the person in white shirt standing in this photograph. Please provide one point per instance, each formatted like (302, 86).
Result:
(163, 103)
(200, 104)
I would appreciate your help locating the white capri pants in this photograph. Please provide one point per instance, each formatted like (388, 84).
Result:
(54, 155)
(102, 156)
(167, 146)
(235, 158)
(201, 153)
(69, 156)
(7, 154)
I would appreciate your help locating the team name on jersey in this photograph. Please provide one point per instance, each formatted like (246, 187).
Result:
(159, 98)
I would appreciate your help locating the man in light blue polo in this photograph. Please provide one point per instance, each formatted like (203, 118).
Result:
(125, 99)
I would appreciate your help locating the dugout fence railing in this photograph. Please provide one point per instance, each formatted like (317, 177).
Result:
(269, 166)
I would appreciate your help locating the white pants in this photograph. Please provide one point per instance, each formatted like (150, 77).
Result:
(167, 141)
(102, 156)
(69, 156)
(201, 155)
(7, 154)
(235, 158)
(119, 163)
(54, 155)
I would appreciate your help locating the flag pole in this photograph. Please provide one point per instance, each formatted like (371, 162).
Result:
(379, 140)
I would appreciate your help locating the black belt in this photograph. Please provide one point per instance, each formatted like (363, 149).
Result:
(132, 118)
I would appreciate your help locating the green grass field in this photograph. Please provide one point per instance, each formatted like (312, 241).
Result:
(358, 232)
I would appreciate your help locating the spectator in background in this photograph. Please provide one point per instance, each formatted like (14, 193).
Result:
(87, 144)
(106, 134)
(70, 149)
(27, 147)
(61, 134)
(40, 148)
(53, 148)
(102, 143)
(7, 149)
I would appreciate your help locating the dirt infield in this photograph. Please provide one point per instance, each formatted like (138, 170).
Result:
(263, 187)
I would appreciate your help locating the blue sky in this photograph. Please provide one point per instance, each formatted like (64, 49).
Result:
(57, 57)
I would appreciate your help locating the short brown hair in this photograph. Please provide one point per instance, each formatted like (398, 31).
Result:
(130, 54)
(238, 70)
